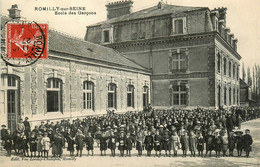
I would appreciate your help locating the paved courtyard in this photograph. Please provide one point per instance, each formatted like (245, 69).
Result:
(134, 161)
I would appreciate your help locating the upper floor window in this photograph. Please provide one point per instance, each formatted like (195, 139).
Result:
(225, 66)
(54, 100)
(107, 35)
(229, 69)
(234, 71)
(238, 73)
(130, 96)
(179, 25)
(111, 99)
(218, 62)
(88, 95)
(178, 61)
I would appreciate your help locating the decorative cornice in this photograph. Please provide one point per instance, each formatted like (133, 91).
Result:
(181, 75)
(166, 39)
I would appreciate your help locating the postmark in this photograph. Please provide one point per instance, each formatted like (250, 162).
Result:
(26, 43)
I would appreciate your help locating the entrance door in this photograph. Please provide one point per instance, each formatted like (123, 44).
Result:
(9, 103)
(12, 109)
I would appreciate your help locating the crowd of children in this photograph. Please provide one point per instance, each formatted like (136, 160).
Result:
(166, 132)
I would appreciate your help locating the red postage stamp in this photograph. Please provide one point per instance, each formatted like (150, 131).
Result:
(26, 40)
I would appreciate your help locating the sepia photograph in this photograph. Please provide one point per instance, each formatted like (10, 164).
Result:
(131, 83)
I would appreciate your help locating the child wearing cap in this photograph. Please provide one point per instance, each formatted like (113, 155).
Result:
(33, 144)
(239, 142)
(79, 141)
(248, 141)
(45, 144)
(71, 141)
(200, 145)
(103, 144)
(121, 141)
(231, 143)
(129, 144)
(24, 145)
(158, 143)
(148, 141)
(8, 142)
(139, 142)
(112, 143)
(89, 143)
(166, 143)
(3, 134)
(210, 143)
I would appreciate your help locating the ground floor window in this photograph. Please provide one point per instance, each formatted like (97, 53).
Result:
(54, 98)
(179, 94)
(130, 96)
(88, 95)
(145, 96)
(111, 99)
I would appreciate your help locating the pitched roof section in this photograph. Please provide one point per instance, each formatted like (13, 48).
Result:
(150, 12)
(65, 44)
(70, 45)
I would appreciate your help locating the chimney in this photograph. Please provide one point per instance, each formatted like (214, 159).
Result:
(14, 12)
(119, 8)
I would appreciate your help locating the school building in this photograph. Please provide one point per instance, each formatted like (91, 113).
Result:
(166, 55)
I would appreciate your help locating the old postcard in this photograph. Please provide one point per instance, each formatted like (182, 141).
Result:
(130, 83)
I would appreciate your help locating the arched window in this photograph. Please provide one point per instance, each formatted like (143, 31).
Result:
(145, 96)
(130, 96)
(88, 95)
(54, 95)
(111, 99)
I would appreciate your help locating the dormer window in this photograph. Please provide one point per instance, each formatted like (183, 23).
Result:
(179, 25)
(107, 35)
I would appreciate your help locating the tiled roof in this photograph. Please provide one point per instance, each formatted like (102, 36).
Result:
(70, 45)
(151, 12)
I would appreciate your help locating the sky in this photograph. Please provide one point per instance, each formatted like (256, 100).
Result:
(242, 18)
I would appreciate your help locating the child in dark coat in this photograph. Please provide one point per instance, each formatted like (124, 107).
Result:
(103, 144)
(129, 144)
(248, 141)
(8, 142)
(89, 143)
(121, 141)
(112, 143)
(79, 140)
(231, 143)
(200, 145)
(148, 141)
(240, 142)
(71, 141)
(33, 144)
(166, 143)
(158, 143)
(218, 144)
(210, 144)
